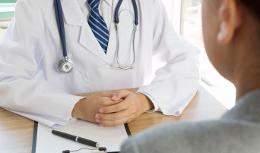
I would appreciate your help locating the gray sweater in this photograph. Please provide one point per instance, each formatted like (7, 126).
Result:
(238, 131)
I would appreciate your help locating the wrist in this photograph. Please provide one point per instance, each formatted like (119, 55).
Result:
(146, 103)
(76, 113)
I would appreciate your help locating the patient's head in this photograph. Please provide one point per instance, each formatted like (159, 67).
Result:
(231, 31)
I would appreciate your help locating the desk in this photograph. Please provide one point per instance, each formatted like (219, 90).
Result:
(16, 131)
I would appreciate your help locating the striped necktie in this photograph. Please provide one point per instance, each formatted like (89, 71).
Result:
(98, 25)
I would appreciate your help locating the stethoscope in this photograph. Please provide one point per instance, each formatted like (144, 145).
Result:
(65, 65)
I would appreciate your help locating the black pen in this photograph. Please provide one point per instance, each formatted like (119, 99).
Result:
(76, 138)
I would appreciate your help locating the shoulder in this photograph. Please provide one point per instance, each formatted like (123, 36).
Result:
(34, 4)
(151, 4)
(202, 137)
(151, 10)
(33, 11)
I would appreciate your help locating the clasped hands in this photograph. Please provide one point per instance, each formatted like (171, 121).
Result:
(111, 108)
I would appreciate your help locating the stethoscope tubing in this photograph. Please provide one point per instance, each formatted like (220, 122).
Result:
(61, 28)
(117, 8)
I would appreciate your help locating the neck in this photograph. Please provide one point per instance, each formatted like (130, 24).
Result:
(246, 70)
(247, 79)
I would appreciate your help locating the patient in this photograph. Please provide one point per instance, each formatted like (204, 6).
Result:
(231, 31)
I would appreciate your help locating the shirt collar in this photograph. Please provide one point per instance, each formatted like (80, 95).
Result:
(109, 2)
(83, 2)
(247, 108)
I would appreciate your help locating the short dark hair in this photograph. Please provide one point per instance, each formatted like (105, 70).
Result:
(253, 6)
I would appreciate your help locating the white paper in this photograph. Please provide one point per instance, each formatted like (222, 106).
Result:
(109, 137)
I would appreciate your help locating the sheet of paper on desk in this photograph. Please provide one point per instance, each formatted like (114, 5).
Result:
(111, 138)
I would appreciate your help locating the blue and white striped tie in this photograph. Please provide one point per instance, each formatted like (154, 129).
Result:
(98, 25)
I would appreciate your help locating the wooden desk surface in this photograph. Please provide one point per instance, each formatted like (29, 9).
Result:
(16, 131)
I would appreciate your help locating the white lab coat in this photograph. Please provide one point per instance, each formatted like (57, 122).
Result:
(31, 85)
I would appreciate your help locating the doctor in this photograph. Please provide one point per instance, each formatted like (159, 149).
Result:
(104, 61)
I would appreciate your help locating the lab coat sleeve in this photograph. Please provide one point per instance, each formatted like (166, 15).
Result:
(177, 81)
(20, 59)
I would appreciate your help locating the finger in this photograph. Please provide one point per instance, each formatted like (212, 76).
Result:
(107, 102)
(121, 94)
(114, 108)
(104, 101)
(111, 102)
(117, 122)
(113, 116)
(101, 94)
(107, 94)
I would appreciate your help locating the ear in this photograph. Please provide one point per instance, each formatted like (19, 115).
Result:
(230, 20)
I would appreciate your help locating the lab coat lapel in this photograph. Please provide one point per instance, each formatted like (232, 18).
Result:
(75, 17)
(72, 13)
(90, 43)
